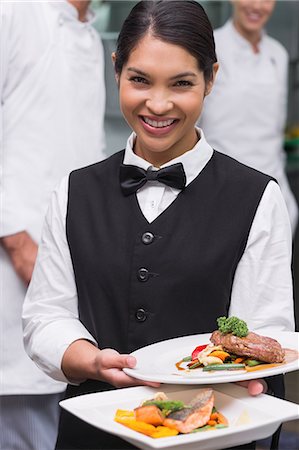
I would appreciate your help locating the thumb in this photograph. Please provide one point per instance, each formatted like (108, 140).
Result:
(112, 359)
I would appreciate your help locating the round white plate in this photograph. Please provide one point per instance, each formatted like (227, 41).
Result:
(156, 362)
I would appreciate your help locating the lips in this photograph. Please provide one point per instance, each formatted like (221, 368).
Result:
(158, 123)
(157, 126)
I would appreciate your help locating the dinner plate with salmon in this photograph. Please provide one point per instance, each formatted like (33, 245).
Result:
(183, 417)
(229, 354)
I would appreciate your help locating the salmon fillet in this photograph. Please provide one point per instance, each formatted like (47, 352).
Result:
(195, 415)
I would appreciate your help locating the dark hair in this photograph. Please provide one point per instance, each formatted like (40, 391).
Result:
(182, 23)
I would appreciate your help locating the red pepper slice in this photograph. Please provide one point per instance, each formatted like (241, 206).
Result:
(198, 350)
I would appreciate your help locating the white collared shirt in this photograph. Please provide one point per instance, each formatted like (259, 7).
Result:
(262, 288)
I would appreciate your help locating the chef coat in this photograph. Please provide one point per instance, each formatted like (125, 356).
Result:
(262, 285)
(244, 116)
(52, 112)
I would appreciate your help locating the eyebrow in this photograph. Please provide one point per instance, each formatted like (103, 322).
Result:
(179, 75)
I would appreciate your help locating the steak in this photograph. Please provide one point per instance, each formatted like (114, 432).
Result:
(253, 345)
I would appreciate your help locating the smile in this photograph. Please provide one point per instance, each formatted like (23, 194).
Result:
(158, 124)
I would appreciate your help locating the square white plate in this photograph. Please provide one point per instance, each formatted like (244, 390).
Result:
(250, 418)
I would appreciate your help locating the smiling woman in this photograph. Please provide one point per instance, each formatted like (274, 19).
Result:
(160, 101)
(161, 238)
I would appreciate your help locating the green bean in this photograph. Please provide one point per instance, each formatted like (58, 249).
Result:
(227, 366)
(253, 362)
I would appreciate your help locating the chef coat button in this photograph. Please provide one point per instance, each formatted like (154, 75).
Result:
(143, 274)
(61, 21)
(140, 315)
(147, 238)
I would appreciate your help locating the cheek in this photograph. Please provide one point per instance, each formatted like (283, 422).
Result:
(193, 105)
(129, 100)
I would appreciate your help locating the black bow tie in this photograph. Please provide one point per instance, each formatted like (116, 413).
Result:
(133, 178)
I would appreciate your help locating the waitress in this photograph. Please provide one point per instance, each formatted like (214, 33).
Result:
(161, 238)
(245, 115)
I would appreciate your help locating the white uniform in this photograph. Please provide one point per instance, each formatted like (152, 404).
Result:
(245, 114)
(52, 113)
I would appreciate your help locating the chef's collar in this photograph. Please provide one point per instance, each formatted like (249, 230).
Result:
(193, 161)
(69, 10)
(241, 40)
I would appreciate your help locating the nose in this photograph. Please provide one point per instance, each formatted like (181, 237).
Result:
(159, 102)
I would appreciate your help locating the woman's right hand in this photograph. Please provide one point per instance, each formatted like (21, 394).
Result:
(109, 364)
(82, 360)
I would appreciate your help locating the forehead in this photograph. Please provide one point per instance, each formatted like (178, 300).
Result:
(152, 54)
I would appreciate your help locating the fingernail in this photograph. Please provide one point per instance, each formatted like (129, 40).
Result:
(131, 361)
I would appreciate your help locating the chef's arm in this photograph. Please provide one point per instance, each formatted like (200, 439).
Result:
(18, 244)
(22, 251)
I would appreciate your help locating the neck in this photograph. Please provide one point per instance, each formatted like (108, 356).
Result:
(82, 8)
(253, 37)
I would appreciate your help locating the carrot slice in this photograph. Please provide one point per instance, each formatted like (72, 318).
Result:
(141, 427)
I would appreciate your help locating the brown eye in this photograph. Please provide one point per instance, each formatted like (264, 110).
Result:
(183, 83)
(138, 79)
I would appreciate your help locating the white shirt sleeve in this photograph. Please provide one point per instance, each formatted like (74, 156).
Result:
(50, 313)
(262, 293)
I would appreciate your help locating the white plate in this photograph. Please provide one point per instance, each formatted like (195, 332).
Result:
(250, 418)
(156, 362)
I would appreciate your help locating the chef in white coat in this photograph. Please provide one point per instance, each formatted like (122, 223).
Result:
(52, 111)
(245, 114)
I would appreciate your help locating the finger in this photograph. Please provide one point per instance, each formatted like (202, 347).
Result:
(112, 359)
(257, 387)
(120, 379)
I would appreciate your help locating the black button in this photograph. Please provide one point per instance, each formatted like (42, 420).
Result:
(147, 238)
(140, 315)
(143, 274)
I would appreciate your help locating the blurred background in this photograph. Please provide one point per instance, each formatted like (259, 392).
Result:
(284, 26)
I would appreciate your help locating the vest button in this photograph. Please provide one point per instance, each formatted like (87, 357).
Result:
(140, 315)
(147, 238)
(143, 274)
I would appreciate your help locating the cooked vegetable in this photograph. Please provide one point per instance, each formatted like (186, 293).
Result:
(197, 350)
(220, 354)
(232, 325)
(226, 366)
(163, 431)
(253, 362)
(166, 406)
(141, 427)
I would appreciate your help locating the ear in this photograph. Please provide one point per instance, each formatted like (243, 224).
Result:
(113, 58)
(210, 83)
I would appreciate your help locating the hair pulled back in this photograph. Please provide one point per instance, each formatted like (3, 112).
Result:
(182, 23)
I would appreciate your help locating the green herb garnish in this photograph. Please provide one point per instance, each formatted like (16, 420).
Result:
(232, 325)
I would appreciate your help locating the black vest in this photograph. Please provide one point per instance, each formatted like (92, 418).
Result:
(140, 283)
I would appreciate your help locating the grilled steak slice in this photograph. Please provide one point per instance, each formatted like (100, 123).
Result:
(253, 345)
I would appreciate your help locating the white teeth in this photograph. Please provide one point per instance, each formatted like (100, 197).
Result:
(156, 124)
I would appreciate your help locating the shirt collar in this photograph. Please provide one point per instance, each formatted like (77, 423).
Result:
(240, 40)
(193, 161)
(69, 10)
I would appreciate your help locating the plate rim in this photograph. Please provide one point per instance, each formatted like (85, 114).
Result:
(211, 379)
(232, 391)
